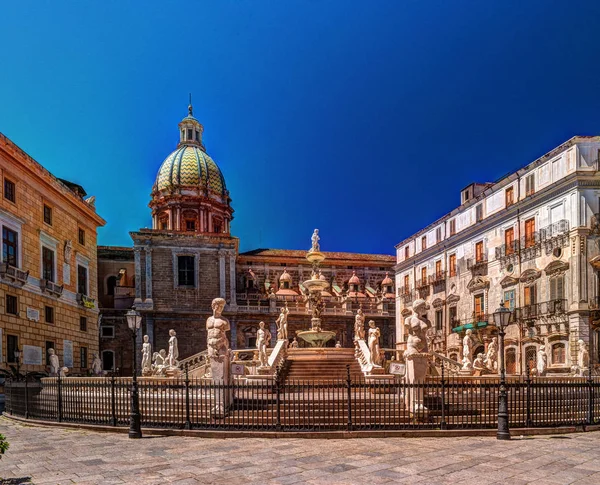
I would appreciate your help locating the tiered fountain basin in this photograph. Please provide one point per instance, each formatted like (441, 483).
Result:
(316, 338)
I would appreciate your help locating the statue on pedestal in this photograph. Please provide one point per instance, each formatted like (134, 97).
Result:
(416, 326)
(478, 363)
(159, 363)
(542, 361)
(282, 325)
(583, 359)
(294, 344)
(467, 360)
(263, 338)
(359, 325)
(315, 242)
(96, 366)
(54, 363)
(417, 357)
(373, 342)
(219, 354)
(491, 356)
(173, 350)
(146, 357)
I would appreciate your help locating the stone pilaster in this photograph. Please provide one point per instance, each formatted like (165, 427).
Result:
(233, 324)
(222, 274)
(148, 275)
(232, 285)
(138, 275)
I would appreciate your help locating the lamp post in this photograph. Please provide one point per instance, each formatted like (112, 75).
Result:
(17, 354)
(501, 319)
(134, 320)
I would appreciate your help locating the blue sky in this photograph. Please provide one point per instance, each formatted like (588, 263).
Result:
(364, 119)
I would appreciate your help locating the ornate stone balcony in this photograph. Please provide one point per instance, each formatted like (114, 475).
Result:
(52, 288)
(13, 273)
(541, 310)
(478, 266)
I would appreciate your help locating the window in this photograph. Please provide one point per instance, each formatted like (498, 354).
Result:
(439, 319)
(558, 354)
(452, 316)
(423, 243)
(47, 264)
(406, 252)
(49, 345)
(438, 235)
(511, 360)
(47, 214)
(12, 305)
(217, 226)
(509, 239)
(509, 196)
(83, 324)
(530, 184)
(529, 295)
(479, 306)
(189, 134)
(190, 225)
(81, 236)
(108, 360)
(164, 225)
(557, 288)
(479, 213)
(197, 135)
(10, 246)
(424, 275)
(452, 264)
(453, 227)
(406, 283)
(479, 256)
(82, 279)
(509, 297)
(185, 271)
(83, 357)
(530, 232)
(12, 344)
(107, 332)
(111, 282)
(9, 190)
(49, 314)
(438, 269)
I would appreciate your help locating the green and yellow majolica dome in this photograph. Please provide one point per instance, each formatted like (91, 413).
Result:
(189, 165)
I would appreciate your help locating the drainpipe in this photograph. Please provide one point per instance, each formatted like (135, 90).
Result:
(518, 295)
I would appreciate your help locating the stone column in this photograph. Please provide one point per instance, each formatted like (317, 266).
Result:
(273, 330)
(222, 274)
(233, 324)
(232, 285)
(150, 329)
(148, 275)
(138, 275)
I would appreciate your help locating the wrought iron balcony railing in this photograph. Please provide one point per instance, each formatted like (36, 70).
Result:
(542, 309)
(507, 250)
(422, 283)
(477, 264)
(437, 277)
(13, 273)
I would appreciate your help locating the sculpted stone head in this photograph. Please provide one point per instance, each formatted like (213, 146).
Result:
(261, 324)
(420, 307)
(218, 304)
(172, 333)
(371, 324)
(146, 338)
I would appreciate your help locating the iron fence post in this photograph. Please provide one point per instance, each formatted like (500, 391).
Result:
(349, 389)
(443, 423)
(59, 392)
(590, 419)
(188, 423)
(278, 400)
(528, 420)
(113, 400)
(26, 399)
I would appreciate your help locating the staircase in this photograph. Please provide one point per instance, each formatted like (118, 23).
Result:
(323, 364)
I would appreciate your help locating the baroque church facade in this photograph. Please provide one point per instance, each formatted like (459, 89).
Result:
(173, 271)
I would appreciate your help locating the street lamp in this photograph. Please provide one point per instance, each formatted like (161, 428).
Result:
(501, 319)
(134, 320)
(17, 354)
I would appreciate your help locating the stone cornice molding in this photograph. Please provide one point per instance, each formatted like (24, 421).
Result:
(556, 268)
(478, 283)
(530, 275)
(508, 281)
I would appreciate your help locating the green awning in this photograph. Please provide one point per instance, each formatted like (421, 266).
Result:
(458, 329)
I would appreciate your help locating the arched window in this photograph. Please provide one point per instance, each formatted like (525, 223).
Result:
(559, 355)
(511, 360)
(108, 360)
(111, 282)
(530, 357)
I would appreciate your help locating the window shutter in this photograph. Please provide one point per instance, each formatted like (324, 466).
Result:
(560, 284)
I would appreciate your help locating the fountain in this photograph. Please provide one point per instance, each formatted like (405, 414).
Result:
(316, 337)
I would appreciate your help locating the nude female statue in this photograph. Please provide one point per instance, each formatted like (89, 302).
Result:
(416, 326)
(146, 355)
(263, 337)
(359, 325)
(374, 334)
(173, 350)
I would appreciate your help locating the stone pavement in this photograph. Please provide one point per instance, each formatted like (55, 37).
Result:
(50, 455)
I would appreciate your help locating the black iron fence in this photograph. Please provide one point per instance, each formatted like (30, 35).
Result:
(452, 403)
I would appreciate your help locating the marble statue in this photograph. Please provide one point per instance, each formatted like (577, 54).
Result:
(373, 342)
(64, 371)
(416, 326)
(491, 356)
(96, 365)
(542, 361)
(338, 345)
(159, 362)
(315, 242)
(478, 363)
(173, 350)
(467, 360)
(263, 336)
(294, 344)
(146, 356)
(583, 359)
(282, 325)
(359, 325)
(122, 280)
(68, 251)
(54, 363)
(218, 345)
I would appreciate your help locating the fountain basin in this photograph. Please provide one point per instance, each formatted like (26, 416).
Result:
(316, 285)
(316, 338)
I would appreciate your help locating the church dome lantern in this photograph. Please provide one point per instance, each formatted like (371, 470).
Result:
(189, 193)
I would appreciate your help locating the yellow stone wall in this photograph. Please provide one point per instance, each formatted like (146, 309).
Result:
(35, 186)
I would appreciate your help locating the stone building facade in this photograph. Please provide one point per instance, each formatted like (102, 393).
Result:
(189, 257)
(48, 266)
(530, 240)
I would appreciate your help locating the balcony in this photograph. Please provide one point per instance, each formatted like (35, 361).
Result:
(437, 278)
(13, 273)
(478, 266)
(508, 253)
(406, 294)
(52, 288)
(531, 246)
(123, 297)
(540, 310)
(85, 301)
(555, 236)
(422, 283)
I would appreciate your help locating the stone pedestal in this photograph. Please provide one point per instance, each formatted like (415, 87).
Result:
(416, 371)
(221, 376)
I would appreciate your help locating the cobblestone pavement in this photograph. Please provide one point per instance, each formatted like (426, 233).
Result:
(63, 456)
